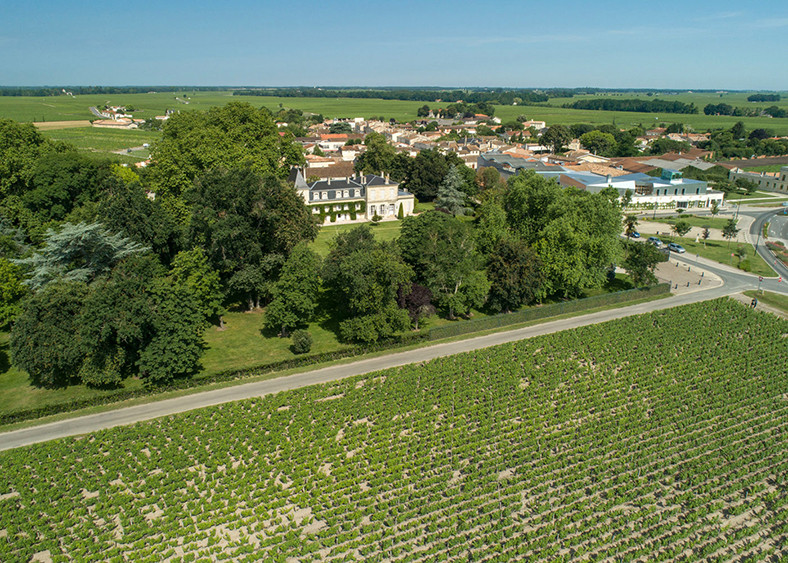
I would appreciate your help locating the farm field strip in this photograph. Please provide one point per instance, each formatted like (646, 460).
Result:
(650, 438)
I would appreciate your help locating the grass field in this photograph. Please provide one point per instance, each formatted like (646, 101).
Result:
(667, 445)
(384, 232)
(776, 300)
(61, 108)
(771, 168)
(719, 251)
(103, 140)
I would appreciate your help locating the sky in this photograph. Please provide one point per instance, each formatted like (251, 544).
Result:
(687, 44)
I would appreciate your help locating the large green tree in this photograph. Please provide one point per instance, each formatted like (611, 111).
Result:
(295, 295)
(363, 277)
(450, 198)
(125, 208)
(236, 135)
(641, 262)
(45, 341)
(442, 251)
(515, 274)
(556, 137)
(77, 253)
(247, 226)
(574, 232)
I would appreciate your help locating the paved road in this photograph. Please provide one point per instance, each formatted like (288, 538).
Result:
(735, 281)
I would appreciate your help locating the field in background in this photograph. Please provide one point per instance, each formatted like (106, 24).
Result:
(668, 444)
(105, 140)
(64, 108)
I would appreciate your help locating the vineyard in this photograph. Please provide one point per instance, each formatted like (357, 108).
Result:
(660, 437)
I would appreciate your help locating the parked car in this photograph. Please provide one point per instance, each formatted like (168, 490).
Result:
(635, 234)
(655, 241)
(673, 247)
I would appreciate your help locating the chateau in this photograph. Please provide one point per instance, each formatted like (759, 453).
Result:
(353, 199)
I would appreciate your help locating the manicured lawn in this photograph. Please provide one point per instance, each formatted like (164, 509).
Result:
(242, 344)
(719, 251)
(384, 232)
(776, 300)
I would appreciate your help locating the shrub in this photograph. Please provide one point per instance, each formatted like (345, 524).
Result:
(745, 265)
(302, 341)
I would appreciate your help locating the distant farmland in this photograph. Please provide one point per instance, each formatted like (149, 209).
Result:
(64, 108)
(652, 438)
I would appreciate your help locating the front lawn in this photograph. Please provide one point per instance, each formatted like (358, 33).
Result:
(720, 251)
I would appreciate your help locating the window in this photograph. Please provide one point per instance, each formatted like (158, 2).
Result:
(682, 191)
(697, 191)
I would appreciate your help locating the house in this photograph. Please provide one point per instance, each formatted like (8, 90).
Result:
(353, 199)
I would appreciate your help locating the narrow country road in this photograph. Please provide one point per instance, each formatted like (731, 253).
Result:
(734, 282)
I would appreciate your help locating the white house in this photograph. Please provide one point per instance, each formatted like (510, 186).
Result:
(354, 199)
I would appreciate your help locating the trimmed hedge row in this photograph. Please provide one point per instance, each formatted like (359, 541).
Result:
(554, 310)
(229, 375)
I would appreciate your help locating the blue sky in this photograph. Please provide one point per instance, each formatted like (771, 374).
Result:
(690, 44)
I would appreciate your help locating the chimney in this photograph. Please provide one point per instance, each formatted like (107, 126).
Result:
(329, 180)
(609, 179)
(387, 178)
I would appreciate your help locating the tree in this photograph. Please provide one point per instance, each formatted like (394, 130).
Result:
(630, 224)
(45, 341)
(450, 198)
(125, 208)
(641, 262)
(426, 174)
(423, 111)
(295, 294)
(598, 142)
(302, 341)
(247, 226)
(11, 292)
(340, 128)
(378, 157)
(442, 252)
(715, 208)
(681, 228)
(317, 151)
(235, 135)
(664, 145)
(363, 277)
(575, 233)
(729, 230)
(77, 253)
(626, 199)
(491, 226)
(175, 346)
(115, 322)
(738, 130)
(705, 235)
(556, 137)
(417, 301)
(192, 273)
(515, 275)
(61, 182)
(400, 213)
(21, 145)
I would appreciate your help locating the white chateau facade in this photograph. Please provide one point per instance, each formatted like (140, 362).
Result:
(355, 199)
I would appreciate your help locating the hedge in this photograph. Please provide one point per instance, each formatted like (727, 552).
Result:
(554, 310)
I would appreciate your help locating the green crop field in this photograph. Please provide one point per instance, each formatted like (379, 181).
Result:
(652, 438)
(103, 140)
(62, 108)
